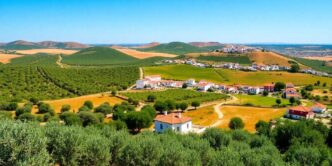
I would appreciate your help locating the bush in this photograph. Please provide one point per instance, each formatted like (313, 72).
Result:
(88, 118)
(236, 123)
(71, 118)
(104, 108)
(88, 104)
(65, 108)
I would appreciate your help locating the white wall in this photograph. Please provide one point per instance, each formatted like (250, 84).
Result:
(181, 128)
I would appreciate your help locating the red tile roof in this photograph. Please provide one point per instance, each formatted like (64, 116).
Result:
(172, 118)
(319, 105)
(300, 108)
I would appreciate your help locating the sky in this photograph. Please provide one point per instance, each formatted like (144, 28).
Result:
(143, 21)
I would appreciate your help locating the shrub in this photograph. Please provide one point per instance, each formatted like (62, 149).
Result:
(236, 123)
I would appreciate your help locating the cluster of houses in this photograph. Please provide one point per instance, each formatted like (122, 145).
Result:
(314, 72)
(155, 82)
(303, 112)
(253, 67)
(236, 49)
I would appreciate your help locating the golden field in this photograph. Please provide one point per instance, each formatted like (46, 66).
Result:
(142, 55)
(5, 58)
(47, 51)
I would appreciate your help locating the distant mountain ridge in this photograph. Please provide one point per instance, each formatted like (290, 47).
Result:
(205, 44)
(22, 45)
(178, 48)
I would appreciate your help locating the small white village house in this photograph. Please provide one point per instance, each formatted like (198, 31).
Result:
(148, 81)
(319, 108)
(174, 121)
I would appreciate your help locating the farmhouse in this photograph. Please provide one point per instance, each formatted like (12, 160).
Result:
(319, 108)
(148, 82)
(173, 121)
(269, 87)
(254, 90)
(204, 86)
(290, 92)
(300, 112)
(191, 82)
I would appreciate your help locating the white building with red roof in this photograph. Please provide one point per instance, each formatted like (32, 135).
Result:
(300, 112)
(173, 121)
(319, 108)
(149, 82)
(290, 92)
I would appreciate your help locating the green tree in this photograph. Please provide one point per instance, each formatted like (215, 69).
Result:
(184, 86)
(114, 92)
(236, 123)
(104, 108)
(71, 118)
(278, 101)
(292, 100)
(88, 118)
(295, 68)
(195, 104)
(183, 106)
(170, 105)
(88, 104)
(150, 110)
(27, 117)
(217, 138)
(65, 107)
(262, 128)
(151, 98)
(279, 86)
(34, 100)
(84, 108)
(45, 108)
(265, 93)
(137, 120)
(160, 106)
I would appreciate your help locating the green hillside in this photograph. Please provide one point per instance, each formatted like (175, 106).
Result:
(37, 59)
(241, 59)
(178, 48)
(98, 56)
(315, 64)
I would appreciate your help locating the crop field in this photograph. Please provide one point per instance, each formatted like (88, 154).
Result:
(6, 58)
(82, 81)
(98, 56)
(142, 55)
(241, 59)
(18, 83)
(269, 58)
(204, 116)
(229, 77)
(37, 59)
(46, 51)
(321, 58)
(249, 115)
(316, 64)
(178, 95)
(77, 102)
(258, 100)
(178, 48)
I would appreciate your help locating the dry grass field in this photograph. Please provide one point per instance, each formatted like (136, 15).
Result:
(5, 58)
(142, 55)
(193, 55)
(204, 116)
(249, 115)
(268, 58)
(47, 51)
(324, 58)
(77, 102)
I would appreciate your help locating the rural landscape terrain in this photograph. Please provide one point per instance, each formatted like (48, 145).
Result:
(165, 83)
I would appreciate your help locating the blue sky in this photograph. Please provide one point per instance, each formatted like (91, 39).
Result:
(142, 21)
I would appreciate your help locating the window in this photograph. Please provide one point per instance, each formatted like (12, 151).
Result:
(161, 126)
(178, 128)
(187, 125)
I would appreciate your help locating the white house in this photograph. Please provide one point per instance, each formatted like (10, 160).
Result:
(191, 82)
(148, 81)
(254, 90)
(204, 86)
(173, 121)
(153, 78)
(319, 108)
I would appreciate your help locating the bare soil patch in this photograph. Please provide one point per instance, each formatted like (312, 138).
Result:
(48, 51)
(142, 55)
(5, 58)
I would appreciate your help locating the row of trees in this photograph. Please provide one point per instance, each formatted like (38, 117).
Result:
(288, 143)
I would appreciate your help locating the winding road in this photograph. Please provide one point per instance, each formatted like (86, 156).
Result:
(216, 109)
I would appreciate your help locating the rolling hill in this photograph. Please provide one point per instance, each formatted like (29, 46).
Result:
(316, 64)
(149, 45)
(178, 48)
(98, 56)
(26, 45)
(269, 58)
(205, 44)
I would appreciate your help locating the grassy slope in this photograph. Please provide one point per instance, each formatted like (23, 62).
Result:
(98, 56)
(183, 72)
(178, 95)
(177, 48)
(315, 64)
(37, 59)
(258, 100)
(269, 58)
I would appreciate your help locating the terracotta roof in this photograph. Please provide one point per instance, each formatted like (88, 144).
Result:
(319, 105)
(301, 108)
(172, 118)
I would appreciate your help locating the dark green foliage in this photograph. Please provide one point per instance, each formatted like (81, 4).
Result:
(98, 56)
(137, 120)
(183, 106)
(150, 110)
(25, 109)
(88, 104)
(236, 123)
(88, 118)
(160, 106)
(84, 108)
(262, 128)
(294, 68)
(27, 117)
(195, 104)
(265, 93)
(278, 86)
(309, 87)
(5, 115)
(241, 59)
(23, 144)
(292, 100)
(71, 118)
(151, 98)
(65, 108)
(217, 138)
(118, 124)
(8, 106)
(177, 48)
(34, 60)
(104, 108)
(45, 108)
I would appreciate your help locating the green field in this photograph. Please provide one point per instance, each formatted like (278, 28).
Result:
(178, 48)
(258, 100)
(178, 95)
(315, 64)
(98, 56)
(241, 59)
(184, 72)
(20, 47)
(37, 59)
